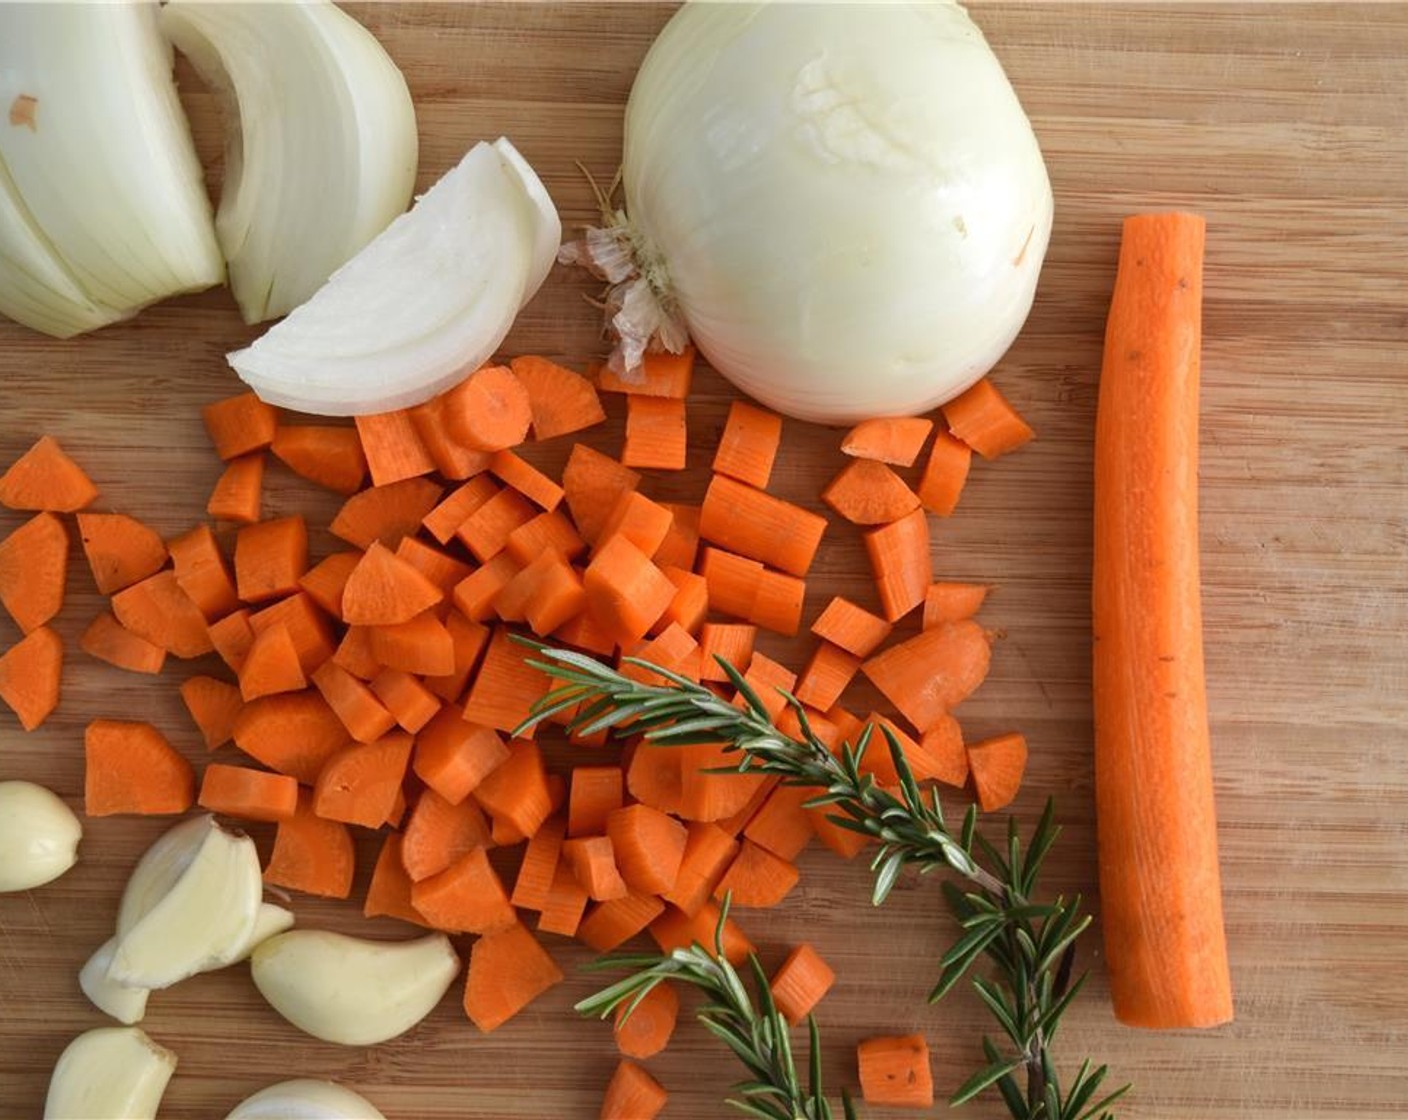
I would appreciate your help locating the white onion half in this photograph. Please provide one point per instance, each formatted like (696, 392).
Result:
(846, 202)
(321, 140)
(429, 299)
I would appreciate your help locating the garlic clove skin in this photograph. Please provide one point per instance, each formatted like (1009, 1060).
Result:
(39, 836)
(270, 921)
(112, 1073)
(126, 1005)
(204, 921)
(158, 870)
(305, 1099)
(352, 991)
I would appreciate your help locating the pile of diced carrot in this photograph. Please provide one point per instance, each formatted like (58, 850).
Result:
(375, 689)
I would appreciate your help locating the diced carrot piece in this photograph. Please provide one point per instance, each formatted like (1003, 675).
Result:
(508, 970)
(389, 893)
(894, 440)
(609, 925)
(294, 733)
(944, 474)
(848, 727)
(709, 796)
(932, 672)
(422, 644)
(779, 602)
(451, 458)
(584, 632)
(593, 483)
(506, 686)
(843, 841)
(325, 581)
(386, 513)
(442, 569)
(757, 878)
(676, 930)
(384, 590)
(466, 897)
(671, 649)
(596, 793)
(330, 456)
(485, 532)
(202, 573)
(393, 448)
(997, 765)
(690, 606)
(45, 478)
(800, 983)
(214, 706)
(566, 901)
(239, 425)
(649, 847)
(306, 624)
(406, 698)
(270, 557)
(653, 777)
(708, 851)
(632, 1094)
(984, 419)
(826, 676)
(312, 854)
(131, 768)
(232, 636)
(442, 521)
(120, 549)
(900, 561)
(398, 809)
(560, 400)
(540, 858)
(593, 862)
(782, 825)
(517, 790)
(453, 755)
(489, 410)
(470, 638)
(749, 444)
(359, 784)
(525, 478)
(356, 706)
(878, 761)
(759, 526)
(895, 1071)
(680, 548)
(656, 433)
(251, 795)
(33, 567)
(852, 628)
(625, 591)
(238, 494)
(158, 610)
(661, 374)
(952, 602)
(474, 595)
(271, 666)
(766, 677)
(551, 530)
(941, 753)
(643, 1027)
(561, 595)
(735, 823)
(869, 493)
(733, 581)
(644, 523)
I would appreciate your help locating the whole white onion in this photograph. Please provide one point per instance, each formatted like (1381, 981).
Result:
(845, 203)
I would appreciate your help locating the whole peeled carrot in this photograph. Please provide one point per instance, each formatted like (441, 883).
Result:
(1159, 882)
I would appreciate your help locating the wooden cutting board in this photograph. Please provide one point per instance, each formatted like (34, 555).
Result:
(1288, 127)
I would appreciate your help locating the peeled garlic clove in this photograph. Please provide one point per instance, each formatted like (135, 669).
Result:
(351, 991)
(159, 869)
(271, 921)
(204, 921)
(113, 1073)
(126, 1005)
(305, 1099)
(38, 836)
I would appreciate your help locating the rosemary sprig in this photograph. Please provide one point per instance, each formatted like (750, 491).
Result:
(1030, 945)
(757, 1035)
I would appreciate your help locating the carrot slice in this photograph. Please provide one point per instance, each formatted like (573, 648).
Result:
(952, 602)
(442, 569)
(393, 448)
(386, 513)
(932, 672)
(356, 706)
(384, 590)
(214, 705)
(33, 564)
(945, 474)
(869, 493)
(560, 400)
(311, 854)
(270, 557)
(826, 676)
(676, 930)
(451, 458)
(596, 793)
(997, 765)
(800, 983)
(593, 861)
(648, 845)
(895, 1071)
(45, 478)
(657, 433)
(517, 792)
(294, 733)
(271, 666)
(469, 638)
(131, 768)
(680, 548)
(475, 595)
(508, 970)
(661, 374)
(453, 755)
(632, 1094)
(406, 698)
(522, 476)
(359, 784)
(251, 795)
(566, 902)
(331, 457)
(326, 580)
(239, 425)
(485, 532)
(158, 610)
(466, 897)
(489, 410)
(644, 523)
(546, 531)
(643, 1027)
(708, 851)
(749, 443)
(593, 483)
(120, 549)
(610, 925)
(757, 878)
(690, 606)
(782, 825)
(506, 687)
(900, 560)
(389, 893)
(895, 440)
(306, 625)
(422, 644)
(984, 420)
(238, 494)
(653, 777)
(442, 521)
(852, 628)
(759, 526)
(232, 636)
(535, 874)
(626, 593)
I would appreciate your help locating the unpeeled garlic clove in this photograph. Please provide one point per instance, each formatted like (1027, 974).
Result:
(351, 991)
(113, 1073)
(204, 920)
(38, 836)
(126, 1005)
(305, 1099)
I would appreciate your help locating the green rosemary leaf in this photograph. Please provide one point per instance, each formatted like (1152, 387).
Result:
(885, 878)
(1101, 1108)
(1007, 1085)
(982, 1079)
(992, 995)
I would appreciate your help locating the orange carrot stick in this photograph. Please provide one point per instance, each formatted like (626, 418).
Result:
(451, 458)
(900, 560)
(214, 706)
(800, 983)
(438, 566)
(626, 593)
(516, 792)
(422, 644)
(782, 825)
(755, 524)
(485, 532)
(546, 531)
(653, 777)
(402, 694)
(271, 666)
(897, 441)
(393, 448)
(560, 400)
(386, 513)
(869, 493)
(238, 494)
(45, 478)
(680, 547)
(566, 902)
(643, 1027)
(690, 605)
(120, 549)
(251, 795)
(506, 687)
(33, 566)
(749, 443)
(895, 1071)
(984, 420)
(508, 970)
(997, 765)
(644, 523)
(521, 475)
(311, 854)
(731, 641)
(131, 768)
(1159, 878)
(475, 595)
(944, 474)
(469, 638)
(306, 625)
(239, 425)
(674, 930)
(232, 636)
(329, 456)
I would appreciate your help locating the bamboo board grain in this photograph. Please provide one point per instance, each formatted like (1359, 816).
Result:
(1288, 127)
